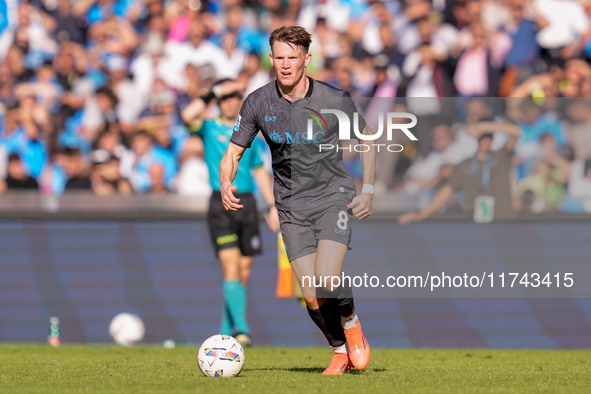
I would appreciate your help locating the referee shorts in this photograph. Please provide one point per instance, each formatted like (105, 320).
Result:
(231, 229)
(302, 229)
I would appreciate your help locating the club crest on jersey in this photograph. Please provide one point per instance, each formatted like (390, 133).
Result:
(276, 137)
(237, 125)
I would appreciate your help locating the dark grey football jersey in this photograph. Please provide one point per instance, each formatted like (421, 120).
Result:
(304, 173)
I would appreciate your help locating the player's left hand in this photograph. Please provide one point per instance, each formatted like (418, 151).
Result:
(272, 218)
(361, 205)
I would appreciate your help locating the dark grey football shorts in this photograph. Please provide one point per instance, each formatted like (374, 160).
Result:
(302, 229)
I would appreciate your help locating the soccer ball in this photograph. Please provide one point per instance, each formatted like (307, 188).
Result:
(221, 356)
(126, 329)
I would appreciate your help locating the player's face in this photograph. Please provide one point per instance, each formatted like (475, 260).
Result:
(289, 63)
(230, 107)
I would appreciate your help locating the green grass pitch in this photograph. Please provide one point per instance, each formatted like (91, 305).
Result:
(151, 369)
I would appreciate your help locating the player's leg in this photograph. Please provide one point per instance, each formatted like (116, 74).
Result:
(328, 265)
(314, 295)
(334, 234)
(249, 240)
(322, 314)
(224, 237)
(243, 331)
(234, 291)
(231, 288)
(245, 268)
(303, 268)
(300, 245)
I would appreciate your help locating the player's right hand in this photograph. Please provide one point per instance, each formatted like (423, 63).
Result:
(409, 217)
(229, 200)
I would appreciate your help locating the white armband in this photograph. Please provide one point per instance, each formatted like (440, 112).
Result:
(367, 188)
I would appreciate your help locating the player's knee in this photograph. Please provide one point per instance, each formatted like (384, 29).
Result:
(312, 302)
(326, 279)
(244, 279)
(231, 273)
(320, 295)
(244, 275)
(340, 292)
(341, 299)
(246, 263)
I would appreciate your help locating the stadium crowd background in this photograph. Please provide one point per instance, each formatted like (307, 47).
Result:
(91, 92)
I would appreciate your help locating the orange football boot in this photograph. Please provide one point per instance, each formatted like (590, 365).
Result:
(339, 364)
(358, 347)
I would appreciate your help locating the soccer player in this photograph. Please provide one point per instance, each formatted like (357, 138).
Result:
(313, 246)
(235, 235)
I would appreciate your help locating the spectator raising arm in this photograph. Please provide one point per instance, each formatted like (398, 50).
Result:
(441, 198)
(462, 177)
(479, 129)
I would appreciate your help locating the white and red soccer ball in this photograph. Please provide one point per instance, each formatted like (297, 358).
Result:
(127, 329)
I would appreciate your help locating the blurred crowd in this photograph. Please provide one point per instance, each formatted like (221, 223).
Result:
(550, 168)
(91, 90)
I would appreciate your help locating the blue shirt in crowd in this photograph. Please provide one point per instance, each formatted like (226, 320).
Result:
(32, 153)
(525, 49)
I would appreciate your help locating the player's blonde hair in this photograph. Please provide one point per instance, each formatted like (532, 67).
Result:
(295, 35)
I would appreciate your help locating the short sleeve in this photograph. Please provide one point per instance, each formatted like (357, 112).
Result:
(245, 129)
(349, 107)
(256, 159)
(197, 128)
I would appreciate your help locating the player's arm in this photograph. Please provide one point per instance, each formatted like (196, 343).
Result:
(264, 182)
(243, 134)
(441, 198)
(228, 170)
(192, 115)
(361, 204)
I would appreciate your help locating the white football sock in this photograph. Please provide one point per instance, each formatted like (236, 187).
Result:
(340, 349)
(351, 322)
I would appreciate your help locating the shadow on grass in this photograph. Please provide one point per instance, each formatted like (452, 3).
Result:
(315, 370)
(357, 372)
(290, 369)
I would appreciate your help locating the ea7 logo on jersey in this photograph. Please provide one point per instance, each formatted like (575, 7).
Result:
(237, 125)
(270, 118)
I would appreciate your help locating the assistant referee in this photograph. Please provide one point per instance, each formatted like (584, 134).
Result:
(235, 235)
